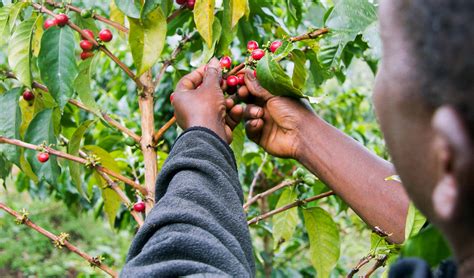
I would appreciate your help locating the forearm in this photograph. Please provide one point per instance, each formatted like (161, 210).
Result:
(197, 224)
(356, 175)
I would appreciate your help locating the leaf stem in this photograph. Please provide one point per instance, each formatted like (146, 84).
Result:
(94, 261)
(257, 197)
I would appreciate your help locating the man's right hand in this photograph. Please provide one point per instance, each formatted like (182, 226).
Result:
(275, 123)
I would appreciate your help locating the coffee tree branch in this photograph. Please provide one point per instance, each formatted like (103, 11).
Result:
(269, 192)
(59, 241)
(75, 159)
(287, 207)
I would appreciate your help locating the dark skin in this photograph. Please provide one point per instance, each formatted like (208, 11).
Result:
(432, 149)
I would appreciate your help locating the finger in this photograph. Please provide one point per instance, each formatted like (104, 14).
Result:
(229, 103)
(243, 92)
(234, 116)
(191, 80)
(253, 128)
(213, 73)
(253, 112)
(254, 86)
(228, 133)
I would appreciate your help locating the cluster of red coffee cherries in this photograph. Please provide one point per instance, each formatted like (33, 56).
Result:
(187, 3)
(256, 54)
(105, 35)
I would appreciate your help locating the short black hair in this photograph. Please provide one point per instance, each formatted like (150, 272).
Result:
(441, 33)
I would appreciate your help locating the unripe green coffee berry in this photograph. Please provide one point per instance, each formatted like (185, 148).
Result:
(86, 13)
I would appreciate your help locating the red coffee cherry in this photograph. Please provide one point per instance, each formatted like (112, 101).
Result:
(85, 55)
(252, 45)
(42, 157)
(181, 2)
(88, 32)
(62, 19)
(258, 54)
(226, 62)
(105, 35)
(190, 4)
(241, 78)
(28, 95)
(139, 207)
(232, 81)
(49, 22)
(86, 45)
(255, 73)
(275, 45)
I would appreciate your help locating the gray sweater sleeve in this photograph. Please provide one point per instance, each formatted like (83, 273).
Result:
(197, 225)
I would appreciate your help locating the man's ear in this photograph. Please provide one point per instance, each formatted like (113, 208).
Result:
(453, 150)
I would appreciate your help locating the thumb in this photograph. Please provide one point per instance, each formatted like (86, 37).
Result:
(213, 73)
(255, 88)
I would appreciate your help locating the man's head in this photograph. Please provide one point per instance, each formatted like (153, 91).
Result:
(424, 97)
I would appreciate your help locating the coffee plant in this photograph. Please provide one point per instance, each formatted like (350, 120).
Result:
(86, 117)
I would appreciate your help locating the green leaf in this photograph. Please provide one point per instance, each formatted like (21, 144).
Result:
(227, 34)
(37, 35)
(323, 239)
(4, 16)
(350, 18)
(116, 14)
(319, 75)
(415, 221)
(239, 8)
(105, 158)
(429, 245)
(283, 51)
(15, 13)
(19, 50)
(147, 39)
(237, 144)
(130, 8)
(273, 78)
(41, 131)
(73, 148)
(299, 72)
(204, 19)
(10, 121)
(284, 223)
(148, 7)
(57, 63)
(111, 204)
(82, 84)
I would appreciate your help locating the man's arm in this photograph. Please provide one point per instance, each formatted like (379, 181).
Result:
(197, 225)
(287, 127)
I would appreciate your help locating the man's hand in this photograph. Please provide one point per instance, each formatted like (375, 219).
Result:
(275, 123)
(199, 101)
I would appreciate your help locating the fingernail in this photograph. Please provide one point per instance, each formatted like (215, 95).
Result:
(254, 123)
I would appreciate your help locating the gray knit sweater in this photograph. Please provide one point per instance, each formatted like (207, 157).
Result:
(197, 226)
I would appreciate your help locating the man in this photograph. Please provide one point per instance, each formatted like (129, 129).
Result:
(424, 103)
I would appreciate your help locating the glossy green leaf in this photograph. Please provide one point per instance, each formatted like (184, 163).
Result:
(428, 245)
(57, 63)
(283, 51)
(10, 121)
(37, 35)
(237, 144)
(204, 19)
(323, 239)
(73, 148)
(148, 7)
(4, 16)
(111, 204)
(299, 72)
(147, 38)
(273, 78)
(116, 14)
(284, 223)
(315, 68)
(82, 84)
(41, 131)
(415, 221)
(19, 50)
(238, 10)
(227, 34)
(130, 8)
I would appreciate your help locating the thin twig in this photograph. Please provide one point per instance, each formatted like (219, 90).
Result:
(287, 207)
(365, 260)
(256, 177)
(310, 35)
(269, 192)
(82, 106)
(157, 136)
(59, 241)
(175, 14)
(105, 20)
(75, 159)
(378, 263)
(127, 70)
